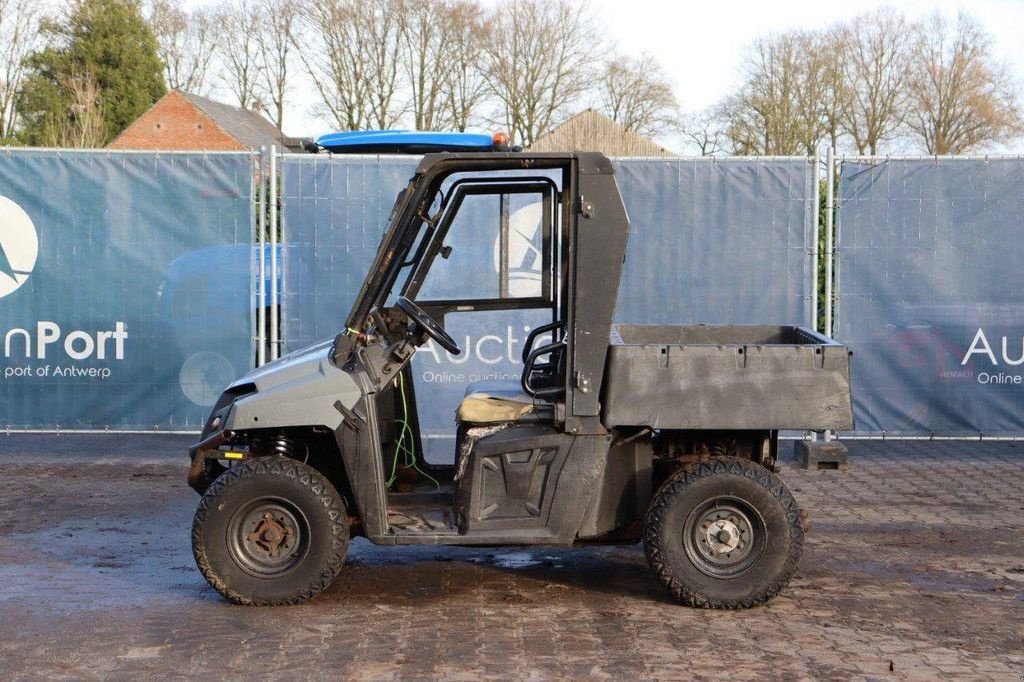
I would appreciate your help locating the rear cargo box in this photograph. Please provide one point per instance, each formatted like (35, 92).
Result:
(726, 377)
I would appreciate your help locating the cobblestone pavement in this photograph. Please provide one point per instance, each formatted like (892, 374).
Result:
(914, 569)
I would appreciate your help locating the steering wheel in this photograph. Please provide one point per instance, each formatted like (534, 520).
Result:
(427, 324)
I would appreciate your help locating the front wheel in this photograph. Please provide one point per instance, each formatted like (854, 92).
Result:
(723, 533)
(270, 531)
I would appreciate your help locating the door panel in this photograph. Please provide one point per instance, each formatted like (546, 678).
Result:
(512, 484)
(510, 479)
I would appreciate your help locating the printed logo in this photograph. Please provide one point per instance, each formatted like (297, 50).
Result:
(981, 346)
(19, 246)
(524, 255)
(204, 375)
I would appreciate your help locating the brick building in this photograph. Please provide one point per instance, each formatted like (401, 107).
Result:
(184, 121)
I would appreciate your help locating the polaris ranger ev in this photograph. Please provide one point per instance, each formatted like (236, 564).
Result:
(665, 435)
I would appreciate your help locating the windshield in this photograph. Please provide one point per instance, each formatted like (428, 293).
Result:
(400, 249)
(418, 239)
(392, 246)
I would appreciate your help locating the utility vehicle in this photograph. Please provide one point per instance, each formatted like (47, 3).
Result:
(663, 434)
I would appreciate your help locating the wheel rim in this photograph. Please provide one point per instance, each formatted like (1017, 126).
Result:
(724, 537)
(268, 537)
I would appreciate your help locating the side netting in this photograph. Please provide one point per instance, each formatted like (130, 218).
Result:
(712, 241)
(125, 287)
(929, 296)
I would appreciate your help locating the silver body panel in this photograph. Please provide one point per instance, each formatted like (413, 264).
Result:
(298, 389)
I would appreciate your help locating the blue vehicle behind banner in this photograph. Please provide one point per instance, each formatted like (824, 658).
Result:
(191, 294)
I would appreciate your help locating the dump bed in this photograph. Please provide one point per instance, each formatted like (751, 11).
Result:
(726, 377)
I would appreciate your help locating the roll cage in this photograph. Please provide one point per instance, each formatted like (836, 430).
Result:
(411, 212)
(593, 229)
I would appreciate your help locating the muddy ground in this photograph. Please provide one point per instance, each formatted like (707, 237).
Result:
(914, 568)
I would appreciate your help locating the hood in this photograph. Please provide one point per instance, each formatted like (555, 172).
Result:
(301, 363)
(299, 389)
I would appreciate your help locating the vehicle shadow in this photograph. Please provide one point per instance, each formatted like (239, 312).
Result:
(506, 575)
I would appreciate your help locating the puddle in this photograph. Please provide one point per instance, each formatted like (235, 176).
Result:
(936, 580)
(515, 560)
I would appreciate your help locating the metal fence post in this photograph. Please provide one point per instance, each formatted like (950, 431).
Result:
(261, 286)
(814, 249)
(814, 240)
(275, 350)
(830, 179)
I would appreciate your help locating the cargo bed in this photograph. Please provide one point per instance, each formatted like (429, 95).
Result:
(726, 377)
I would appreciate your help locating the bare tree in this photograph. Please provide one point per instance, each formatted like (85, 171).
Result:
(962, 98)
(381, 24)
(425, 59)
(743, 126)
(441, 68)
(703, 131)
(333, 60)
(238, 50)
(465, 87)
(542, 58)
(185, 43)
(815, 90)
(778, 107)
(636, 93)
(791, 95)
(275, 41)
(830, 50)
(19, 36)
(83, 127)
(351, 51)
(875, 52)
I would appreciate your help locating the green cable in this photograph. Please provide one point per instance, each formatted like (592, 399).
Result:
(394, 463)
(401, 438)
(400, 446)
(412, 441)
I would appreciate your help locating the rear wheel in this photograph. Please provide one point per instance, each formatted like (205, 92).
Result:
(270, 531)
(723, 533)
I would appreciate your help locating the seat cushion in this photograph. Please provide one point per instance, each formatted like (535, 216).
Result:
(494, 402)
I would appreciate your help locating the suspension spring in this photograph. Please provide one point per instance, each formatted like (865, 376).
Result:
(284, 446)
(287, 447)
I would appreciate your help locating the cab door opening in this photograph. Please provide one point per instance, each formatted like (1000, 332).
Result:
(511, 226)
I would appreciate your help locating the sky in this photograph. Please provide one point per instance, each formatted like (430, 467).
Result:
(699, 44)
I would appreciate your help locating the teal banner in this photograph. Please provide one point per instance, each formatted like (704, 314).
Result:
(929, 296)
(126, 286)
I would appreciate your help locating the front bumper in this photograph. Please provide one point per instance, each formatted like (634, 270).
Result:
(200, 475)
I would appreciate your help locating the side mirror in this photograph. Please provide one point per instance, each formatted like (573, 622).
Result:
(446, 251)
